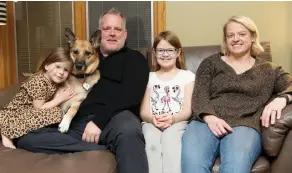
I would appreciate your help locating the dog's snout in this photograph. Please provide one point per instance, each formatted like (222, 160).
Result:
(79, 65)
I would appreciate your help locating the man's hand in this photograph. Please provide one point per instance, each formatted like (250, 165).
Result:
(272, 111)
(91, 133)
(217, 126)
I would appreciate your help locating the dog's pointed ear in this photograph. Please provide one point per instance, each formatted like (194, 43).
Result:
(95, 38)
(70, 36)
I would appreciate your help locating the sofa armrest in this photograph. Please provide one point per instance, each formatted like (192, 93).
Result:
(7, 94)
(274, 136)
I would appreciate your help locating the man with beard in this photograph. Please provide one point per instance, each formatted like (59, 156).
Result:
(109, 115)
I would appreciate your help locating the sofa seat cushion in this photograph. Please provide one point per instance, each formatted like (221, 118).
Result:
(262, 165)
(21, 161)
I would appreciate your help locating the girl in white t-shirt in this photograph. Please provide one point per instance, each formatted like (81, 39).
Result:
(166, 106)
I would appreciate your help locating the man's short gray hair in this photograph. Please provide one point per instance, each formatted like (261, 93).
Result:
(113, 11)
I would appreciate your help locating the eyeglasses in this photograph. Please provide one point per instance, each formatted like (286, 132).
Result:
(168, 51)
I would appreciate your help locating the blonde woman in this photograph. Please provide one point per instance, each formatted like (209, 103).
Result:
(230, 103)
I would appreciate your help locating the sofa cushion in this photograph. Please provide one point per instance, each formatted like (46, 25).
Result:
(21, 161)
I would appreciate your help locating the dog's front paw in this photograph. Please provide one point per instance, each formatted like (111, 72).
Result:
(64, 125)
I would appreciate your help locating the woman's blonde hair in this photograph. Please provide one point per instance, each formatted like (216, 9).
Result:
(173, 40)
(256, 47)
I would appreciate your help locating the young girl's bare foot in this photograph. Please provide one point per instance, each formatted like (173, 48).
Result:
(7, 142)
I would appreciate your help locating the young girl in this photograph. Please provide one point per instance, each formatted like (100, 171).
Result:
(166, 106)
(33, 106)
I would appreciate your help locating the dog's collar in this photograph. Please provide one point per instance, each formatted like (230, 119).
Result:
(79, 76)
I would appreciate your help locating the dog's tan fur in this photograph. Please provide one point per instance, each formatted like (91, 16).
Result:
(81, 51)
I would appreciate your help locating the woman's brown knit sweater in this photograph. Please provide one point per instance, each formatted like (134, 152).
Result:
(239, 99)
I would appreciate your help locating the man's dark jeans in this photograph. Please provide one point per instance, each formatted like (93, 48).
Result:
(122, 135)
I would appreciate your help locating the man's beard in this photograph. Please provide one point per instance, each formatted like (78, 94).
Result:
(108, 50)
(111, 50)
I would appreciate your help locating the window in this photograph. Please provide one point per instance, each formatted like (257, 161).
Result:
(40, 26)
(39, 29)
(138, 16)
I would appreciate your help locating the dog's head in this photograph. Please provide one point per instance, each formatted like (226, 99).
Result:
(83, 52)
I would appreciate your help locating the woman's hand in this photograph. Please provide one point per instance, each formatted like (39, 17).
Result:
(272, 111)
(217, 126)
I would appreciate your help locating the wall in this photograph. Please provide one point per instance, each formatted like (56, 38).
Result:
(200, 23)
(289, 9)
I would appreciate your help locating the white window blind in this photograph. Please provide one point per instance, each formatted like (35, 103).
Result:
(138, 15)
(3, 16)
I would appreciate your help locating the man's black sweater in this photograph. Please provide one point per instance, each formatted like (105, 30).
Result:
(123, 81)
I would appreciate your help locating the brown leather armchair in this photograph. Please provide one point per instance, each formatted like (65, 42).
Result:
(277, 142)
(276, 139)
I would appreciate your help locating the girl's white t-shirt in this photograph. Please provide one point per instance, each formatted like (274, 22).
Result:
(168, 96)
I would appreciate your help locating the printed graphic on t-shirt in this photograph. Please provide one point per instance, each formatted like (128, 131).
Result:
(166, 99)
(168, 96)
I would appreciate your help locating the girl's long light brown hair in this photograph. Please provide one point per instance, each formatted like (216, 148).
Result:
(173, 40)
(57, 55)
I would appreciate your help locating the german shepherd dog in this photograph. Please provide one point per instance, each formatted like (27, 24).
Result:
(84, 73)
